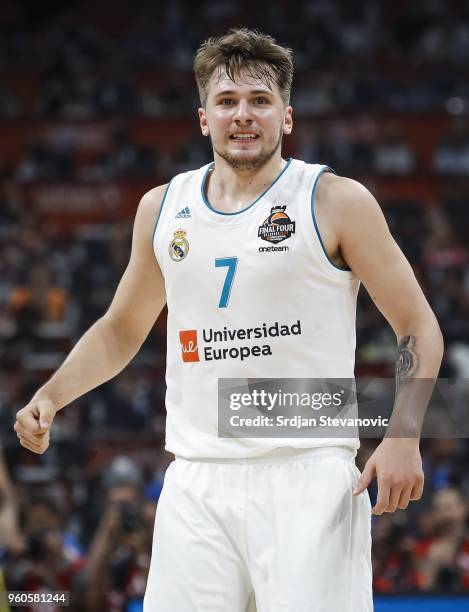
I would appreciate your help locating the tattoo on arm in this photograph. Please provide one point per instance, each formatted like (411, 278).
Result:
(412, 393)
(408, 359)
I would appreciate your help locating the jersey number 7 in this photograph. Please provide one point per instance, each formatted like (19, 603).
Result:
(231, 263)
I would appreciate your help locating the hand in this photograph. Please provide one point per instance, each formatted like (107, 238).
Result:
(398, 466)
(33, 423)
(110, 521)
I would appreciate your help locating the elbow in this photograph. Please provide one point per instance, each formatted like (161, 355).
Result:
(441, 339)
(437, 335)
(425, 326)
(122, 341)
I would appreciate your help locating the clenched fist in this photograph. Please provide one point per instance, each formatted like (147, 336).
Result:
(33, 423)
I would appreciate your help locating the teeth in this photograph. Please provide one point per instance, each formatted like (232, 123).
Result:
(244, 136)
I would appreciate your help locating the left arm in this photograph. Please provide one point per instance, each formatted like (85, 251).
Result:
(367, 246)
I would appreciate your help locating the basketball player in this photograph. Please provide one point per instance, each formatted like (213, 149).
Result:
(247, 244)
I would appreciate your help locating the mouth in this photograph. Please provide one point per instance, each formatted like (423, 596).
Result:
(244, 136)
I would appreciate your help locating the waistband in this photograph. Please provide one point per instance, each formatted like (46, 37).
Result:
(282, 455)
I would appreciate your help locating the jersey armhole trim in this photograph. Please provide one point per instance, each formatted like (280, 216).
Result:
(313, 212)
(159, 214)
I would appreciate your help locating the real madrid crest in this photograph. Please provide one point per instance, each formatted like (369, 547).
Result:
(179, 246)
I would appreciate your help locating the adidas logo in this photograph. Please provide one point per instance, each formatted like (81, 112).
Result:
(185, 213)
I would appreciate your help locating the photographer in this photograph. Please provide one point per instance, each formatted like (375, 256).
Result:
(50, 559)
(119, 554)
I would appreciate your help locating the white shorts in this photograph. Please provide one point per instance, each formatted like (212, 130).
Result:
(284, 531)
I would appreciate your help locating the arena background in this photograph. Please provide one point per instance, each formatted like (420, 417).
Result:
(97, 105)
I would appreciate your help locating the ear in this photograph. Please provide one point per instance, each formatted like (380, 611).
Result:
(203, 121)
(288, 120)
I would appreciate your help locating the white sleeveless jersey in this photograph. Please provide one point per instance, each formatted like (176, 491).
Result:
(250, 294)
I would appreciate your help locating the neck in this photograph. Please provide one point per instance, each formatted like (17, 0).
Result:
(231, 190)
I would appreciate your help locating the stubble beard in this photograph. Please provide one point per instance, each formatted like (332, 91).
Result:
(254, 163)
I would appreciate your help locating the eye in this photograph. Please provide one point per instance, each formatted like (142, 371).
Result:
(261, 100)
(226, 101)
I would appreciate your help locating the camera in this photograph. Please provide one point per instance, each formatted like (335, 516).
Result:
(130, 517)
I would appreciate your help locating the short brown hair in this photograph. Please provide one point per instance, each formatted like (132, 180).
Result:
(242, 48)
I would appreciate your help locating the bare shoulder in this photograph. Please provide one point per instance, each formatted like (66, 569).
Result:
(345, 210)
(345, 203)
(145, 219)
(344, 194)
(151, 201)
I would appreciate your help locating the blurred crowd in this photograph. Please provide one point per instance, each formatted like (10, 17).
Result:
(93, 539)
(87, 66)
(80, 517)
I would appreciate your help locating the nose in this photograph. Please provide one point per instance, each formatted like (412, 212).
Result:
(242, 114)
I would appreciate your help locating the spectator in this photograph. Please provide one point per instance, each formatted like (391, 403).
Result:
(119, 555)
(442, 560)
(392, 557)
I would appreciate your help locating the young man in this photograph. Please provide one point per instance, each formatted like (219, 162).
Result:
(241, 247)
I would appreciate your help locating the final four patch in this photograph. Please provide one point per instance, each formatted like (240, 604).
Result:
(277, 227)
(179, 246)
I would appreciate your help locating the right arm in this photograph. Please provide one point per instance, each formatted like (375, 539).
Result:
(112, 341)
